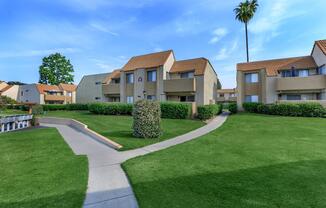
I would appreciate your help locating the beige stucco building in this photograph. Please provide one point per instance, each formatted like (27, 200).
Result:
(159, 76)
(47, 94)
(299, 79)
(226, 95)
(10, 91)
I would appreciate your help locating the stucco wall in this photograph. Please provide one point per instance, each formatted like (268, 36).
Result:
(271, 94)
(88, 90)
(139, 86)
(319, 56)
(210, 85)
(30, 94)
(12, 92)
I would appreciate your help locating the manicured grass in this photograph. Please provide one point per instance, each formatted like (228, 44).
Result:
(119, 128)
(251, 161)
(38, 169)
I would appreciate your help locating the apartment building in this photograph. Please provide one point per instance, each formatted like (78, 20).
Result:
(89, 88)
(226, 95)
(299, 79)
(10, 91)
(47, 94)
(159, 76)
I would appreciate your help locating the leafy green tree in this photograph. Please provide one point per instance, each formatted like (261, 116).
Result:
(244, 12)
(56, 69)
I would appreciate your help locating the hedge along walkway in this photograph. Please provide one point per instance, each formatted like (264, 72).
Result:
(108, 185)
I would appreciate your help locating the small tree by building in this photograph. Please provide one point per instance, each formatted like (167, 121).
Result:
(146, 119)
(56, 69)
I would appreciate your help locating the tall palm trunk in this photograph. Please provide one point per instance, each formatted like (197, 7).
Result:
(247, 47)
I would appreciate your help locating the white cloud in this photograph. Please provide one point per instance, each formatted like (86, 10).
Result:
(31, 53)
(226, 51)
(218, 34)
(102, 28)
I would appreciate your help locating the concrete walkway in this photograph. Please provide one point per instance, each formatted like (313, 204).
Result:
(108, 185)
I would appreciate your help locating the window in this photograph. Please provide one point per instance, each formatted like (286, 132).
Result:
(97, 98)
(287, 73)
(221, 95)
(130, 99)
(151, 97)
(190, 98)
(69, 94)
(115, 81)
(130, 78)
(21, 93)
(322, 69)
(251, 78)
(303, 73)
(187, 75)
(293, 97)
(151, 76)
(98, 83)
(251, 98)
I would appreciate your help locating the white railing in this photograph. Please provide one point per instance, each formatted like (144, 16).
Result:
(11, 123)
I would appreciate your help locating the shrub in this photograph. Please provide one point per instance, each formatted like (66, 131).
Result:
(205, 112)
(7, 100)
(175, 110)
(54, 107)
(233, 108)
(110, 108)
(76, 106)
(147, 119)
(37, 110)
(250, 107)
(21, 107)
(291, 109)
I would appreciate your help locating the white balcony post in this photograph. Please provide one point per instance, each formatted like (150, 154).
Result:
(8, 126)
(2, 127)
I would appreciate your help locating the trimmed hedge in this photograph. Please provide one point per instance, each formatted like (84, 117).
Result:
(37, 109)
(69, 107)
(233, 108)
(21, 107)
(147, 119)
(111, 108)
(287, 109)
(205, 112)
(175, 110)
(76, 106)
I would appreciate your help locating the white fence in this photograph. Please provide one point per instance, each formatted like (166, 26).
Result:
(11, 123)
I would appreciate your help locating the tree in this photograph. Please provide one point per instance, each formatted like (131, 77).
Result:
(244, 12)
(56, 69)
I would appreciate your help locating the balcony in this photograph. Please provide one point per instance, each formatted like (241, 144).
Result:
(180, 85)
(54, 97)
(111, 89)
(315, 82)
(223, 99)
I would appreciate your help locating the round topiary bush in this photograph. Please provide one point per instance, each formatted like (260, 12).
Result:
(147, 119)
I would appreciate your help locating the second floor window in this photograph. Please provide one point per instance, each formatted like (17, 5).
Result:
(115, 81)
(186, 75)
(251, 78)
(151, 76)
(130, 78)
(251, 98)
(322, 69)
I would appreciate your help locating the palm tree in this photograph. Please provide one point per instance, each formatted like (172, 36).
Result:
(244, 12)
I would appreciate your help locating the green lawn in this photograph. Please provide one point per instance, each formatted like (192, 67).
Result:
(38, 169)
(118, 128)
(251, 161)
(12, 112)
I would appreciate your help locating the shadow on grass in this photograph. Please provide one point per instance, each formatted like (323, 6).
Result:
(298, 184)
(68, 199)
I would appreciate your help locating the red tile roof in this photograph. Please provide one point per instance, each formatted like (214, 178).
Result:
(43, 88)
(322, 45)
(273, 66)
(68, 87)
(197, 65)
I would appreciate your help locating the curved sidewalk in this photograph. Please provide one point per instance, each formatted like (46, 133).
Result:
(108, 185)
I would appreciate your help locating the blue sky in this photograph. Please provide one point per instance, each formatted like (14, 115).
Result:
(100, 35)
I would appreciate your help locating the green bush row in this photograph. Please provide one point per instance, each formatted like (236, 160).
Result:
(147, 119)
(205, 112)
(69, 107)
(110, 108)
(287, 109)
(21, 107)
(233, 108)
(175, 110)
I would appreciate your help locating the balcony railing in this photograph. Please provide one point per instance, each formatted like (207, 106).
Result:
(180, 85)
(315, 82)
(229, 99)
(111, 89)
(54, 97)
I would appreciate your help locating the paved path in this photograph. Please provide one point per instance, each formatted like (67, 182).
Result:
(108, 185)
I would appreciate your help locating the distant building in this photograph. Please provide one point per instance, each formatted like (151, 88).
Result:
(47, 94)
(291, 80)
(10, 91)
(89, 88)
(226, 95)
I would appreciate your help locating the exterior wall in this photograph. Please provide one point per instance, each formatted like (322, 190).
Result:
(12, 92)
(319, 56)
(3, 85)
(163, 75)
(210, 86)
(123, 87)
(30, 94)
(87, 89)
(199, 94)
(271, 94)
(139, 84)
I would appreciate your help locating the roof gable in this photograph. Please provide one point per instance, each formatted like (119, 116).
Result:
(198, 65)
(322, 45)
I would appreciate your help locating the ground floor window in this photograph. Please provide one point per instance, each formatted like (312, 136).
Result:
(251, 98)
(293, 97)
(151, 97)
(189, 98)
(130, 99)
